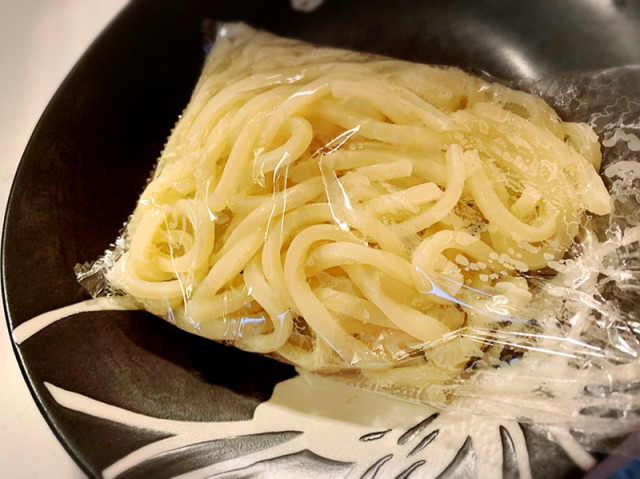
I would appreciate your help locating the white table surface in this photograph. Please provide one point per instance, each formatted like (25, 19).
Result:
(40, 41)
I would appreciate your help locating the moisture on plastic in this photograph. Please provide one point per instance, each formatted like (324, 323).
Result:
(408, 229)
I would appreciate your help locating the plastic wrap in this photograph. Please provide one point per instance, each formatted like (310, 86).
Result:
(403, 228)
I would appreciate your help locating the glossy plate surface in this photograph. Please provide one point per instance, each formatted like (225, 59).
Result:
(132, 397)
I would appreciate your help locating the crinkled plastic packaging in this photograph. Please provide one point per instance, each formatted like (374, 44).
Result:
(404, 228)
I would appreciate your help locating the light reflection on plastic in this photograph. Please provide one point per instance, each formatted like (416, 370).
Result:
(497, 305)
(341, 224)
(337, 142)
(619, 342)
(285, 195)
(484, 340)
(250, 320)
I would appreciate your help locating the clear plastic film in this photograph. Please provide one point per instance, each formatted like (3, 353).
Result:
(403, 228)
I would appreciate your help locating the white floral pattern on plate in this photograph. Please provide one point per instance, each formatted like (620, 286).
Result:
(363, 434)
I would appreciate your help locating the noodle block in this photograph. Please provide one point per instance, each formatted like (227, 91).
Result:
(354, 214)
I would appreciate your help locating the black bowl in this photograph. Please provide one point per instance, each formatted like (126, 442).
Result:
(90, 157)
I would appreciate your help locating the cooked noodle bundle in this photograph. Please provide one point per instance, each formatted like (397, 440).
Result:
(337, 210)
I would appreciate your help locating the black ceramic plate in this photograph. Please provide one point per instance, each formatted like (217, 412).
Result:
(132, 397)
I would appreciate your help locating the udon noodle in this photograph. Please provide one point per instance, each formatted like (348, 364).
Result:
(339, 210)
